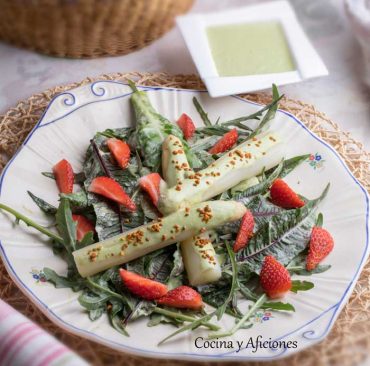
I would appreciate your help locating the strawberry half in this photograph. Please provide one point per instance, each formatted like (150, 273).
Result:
(143, 287)
(226, 142)
(187, 126)
(110, 189)
(182, 297)
(274, 278)
(245, 231)
(84, 226)
(282, 195)
(64, 176)
(120, 150)
(321, 244)
(150, 184)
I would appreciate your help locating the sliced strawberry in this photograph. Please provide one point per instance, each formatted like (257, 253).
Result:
(64, 176)
(150, 184)
(274, 278)
(225, 143)
(84, 226)
(245, 231)
(321, 244)
(143, 287)
(282, 195)
(110, 189)
(182, 297)
(120, 150)
(187, 126)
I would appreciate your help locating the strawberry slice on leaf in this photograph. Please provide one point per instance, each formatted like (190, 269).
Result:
(186, 125)
(110, 189)
(182, 297)
(245, 231)
(64, 176)
(142, 286)
(284, 196)
(120, 150)
(226, 142)
(274, 278)
(150, 184)
(84, 226)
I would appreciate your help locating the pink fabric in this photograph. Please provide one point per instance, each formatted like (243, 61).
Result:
(23, 343)
(53, 356)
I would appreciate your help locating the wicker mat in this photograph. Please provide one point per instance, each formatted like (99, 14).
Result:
(349, 341)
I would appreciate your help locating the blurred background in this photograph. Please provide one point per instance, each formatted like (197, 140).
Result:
(342, 95)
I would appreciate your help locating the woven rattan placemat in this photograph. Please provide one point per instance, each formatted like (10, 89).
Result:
(349, 341)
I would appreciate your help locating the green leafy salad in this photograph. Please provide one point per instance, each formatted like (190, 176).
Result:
(183, 224)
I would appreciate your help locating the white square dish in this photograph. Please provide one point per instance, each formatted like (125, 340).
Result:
(194, 30)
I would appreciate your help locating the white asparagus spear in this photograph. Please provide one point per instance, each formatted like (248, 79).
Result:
(200, 260)
(245, 161)
(176, 227)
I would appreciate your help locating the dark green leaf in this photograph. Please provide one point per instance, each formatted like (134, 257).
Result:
(284, 236)
(78, 200)
(61, 281)
(66, 226)
(95, 314)
(301, 286)
(43, 205)
(91, 301)
(88, 239)
(278, 306)
(177, 273)
(202, 113)
(78, 179)
(319, 220)
(270, 114)
(156, 319)
(259, 188)
(289, 165)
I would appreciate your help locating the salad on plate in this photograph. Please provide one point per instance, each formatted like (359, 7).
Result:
(184, 224)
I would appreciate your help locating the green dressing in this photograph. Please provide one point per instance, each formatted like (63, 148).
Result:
(250, 49)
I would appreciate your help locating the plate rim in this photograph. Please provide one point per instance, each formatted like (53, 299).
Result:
(227, 356)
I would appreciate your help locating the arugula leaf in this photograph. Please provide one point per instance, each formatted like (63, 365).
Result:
(270, 114)
(289, 165)
(202, 113)
(298, 266)
(66, 226)
(234, 283)
(255, 115)
(43, 205)
(78, 200)
(176, 276)
(156, 319)
(249, 294)
(259, 188)
(96, 313)
(284, 236)
(115, 317)
(88, 239)
(301, 286)
(92, 301)
(61, 281)
(277, 306)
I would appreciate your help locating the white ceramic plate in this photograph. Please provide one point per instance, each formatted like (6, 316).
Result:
(72, 118)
